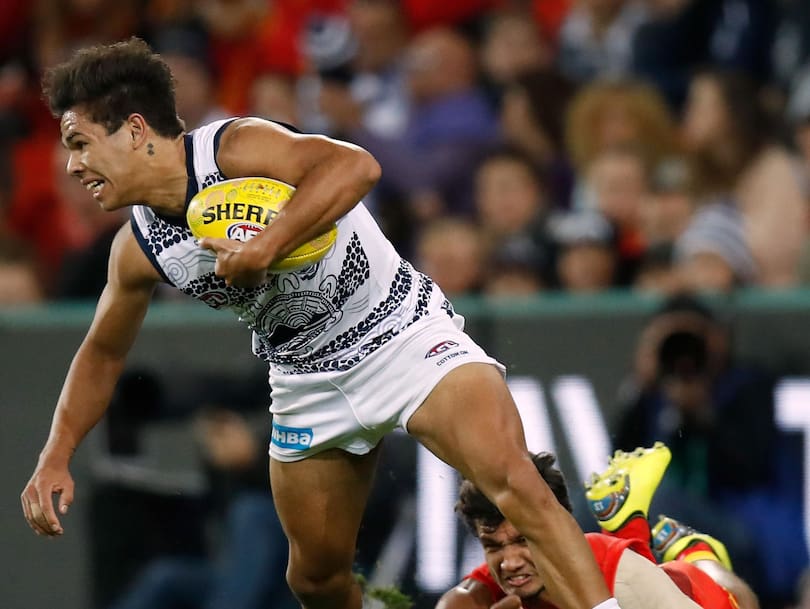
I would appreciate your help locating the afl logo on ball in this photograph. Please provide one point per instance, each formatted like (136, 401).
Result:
(243, 231)
(442, 347)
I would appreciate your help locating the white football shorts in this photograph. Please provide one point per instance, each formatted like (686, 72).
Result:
(353, 409)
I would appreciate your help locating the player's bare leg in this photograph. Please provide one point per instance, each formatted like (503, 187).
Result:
(320, 502)
(470, 421)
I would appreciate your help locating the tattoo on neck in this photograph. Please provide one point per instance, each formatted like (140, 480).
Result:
(150, 149)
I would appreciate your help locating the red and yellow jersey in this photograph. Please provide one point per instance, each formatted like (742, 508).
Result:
(608, 551)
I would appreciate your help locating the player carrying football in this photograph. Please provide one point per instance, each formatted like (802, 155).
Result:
(349, 341)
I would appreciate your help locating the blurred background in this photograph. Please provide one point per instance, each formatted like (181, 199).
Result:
(613, 192)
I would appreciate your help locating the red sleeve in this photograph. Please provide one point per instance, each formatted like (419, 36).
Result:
(699, 586)
(481, 574)
(608, 549)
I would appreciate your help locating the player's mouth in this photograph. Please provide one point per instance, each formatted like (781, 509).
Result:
(94, 187)
(518, 581)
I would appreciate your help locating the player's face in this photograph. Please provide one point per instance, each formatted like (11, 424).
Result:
(98, 159)
(510, 562)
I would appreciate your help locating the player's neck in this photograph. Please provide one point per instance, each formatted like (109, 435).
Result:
(165, 180)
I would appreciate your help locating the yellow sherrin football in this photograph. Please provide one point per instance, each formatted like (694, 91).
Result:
(241, 208)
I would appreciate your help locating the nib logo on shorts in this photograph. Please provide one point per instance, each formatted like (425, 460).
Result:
(442, 347)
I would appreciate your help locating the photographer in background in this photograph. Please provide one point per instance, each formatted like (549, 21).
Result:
(731, 472)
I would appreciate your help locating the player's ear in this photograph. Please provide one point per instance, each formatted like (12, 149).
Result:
(136, 124)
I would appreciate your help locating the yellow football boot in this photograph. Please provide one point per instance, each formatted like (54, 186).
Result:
(670, 538)
(626, 488)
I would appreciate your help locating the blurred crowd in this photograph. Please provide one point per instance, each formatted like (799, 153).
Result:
(526, 145)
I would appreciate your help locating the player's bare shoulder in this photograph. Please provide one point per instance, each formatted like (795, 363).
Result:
(468, 594)
(253, 146)
(129, 268)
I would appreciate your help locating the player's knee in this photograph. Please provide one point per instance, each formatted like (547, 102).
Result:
(320, 587)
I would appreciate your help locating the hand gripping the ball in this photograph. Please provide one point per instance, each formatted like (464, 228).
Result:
(240, 264)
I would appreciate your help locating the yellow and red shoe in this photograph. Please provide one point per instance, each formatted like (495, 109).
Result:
(672, 540)
(626, 488)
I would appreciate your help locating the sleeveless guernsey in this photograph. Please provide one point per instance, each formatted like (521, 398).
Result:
(324, 318)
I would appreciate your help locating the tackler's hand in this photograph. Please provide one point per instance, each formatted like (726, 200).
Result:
(238, 263)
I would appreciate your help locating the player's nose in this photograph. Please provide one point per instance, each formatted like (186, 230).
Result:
(74, 166)
(511, 559)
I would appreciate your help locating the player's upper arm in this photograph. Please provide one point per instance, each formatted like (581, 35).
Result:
(469, 594)
(131, 281)
(641, 584)
(257, 147)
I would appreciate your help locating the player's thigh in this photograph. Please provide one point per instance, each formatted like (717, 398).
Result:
(320, 502)
(470, 421)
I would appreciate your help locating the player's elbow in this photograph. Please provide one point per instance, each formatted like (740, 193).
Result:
(367, 168)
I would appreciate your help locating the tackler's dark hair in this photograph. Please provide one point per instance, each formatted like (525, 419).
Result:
(475, 508)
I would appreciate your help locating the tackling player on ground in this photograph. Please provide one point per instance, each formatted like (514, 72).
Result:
(695, 568)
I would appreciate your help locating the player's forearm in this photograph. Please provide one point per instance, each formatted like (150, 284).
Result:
(327, 192)
(85, 397)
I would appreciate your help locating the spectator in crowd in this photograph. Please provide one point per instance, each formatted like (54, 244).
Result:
(595, 39)
(450, 127)
(513, 207)
(617, 185)
(532, 111)
(252, 37)
(665, 213)
(19, 279)
(509, 194)
(607, 113)
(16, 120)
(657, 273)
(61, 26)
(513, 46)
(712, 254)
(185, 49)
(735, 156)
(514, 269)
(362, 82)
(729, 473)
(681, 36)
(453, 252)
(669, 205)
(35, 195)
(275, 97)
(587, 258)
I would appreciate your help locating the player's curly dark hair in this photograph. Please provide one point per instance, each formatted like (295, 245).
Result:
(110, 82)
(474, 507)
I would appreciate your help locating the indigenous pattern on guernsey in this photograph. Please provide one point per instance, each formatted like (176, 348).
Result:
(325, 317)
